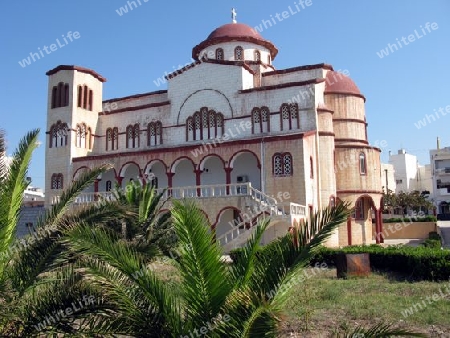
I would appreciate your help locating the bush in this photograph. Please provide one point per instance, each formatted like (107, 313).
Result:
(428, 218)
(432, 243)
(417, 262)
(434, 235)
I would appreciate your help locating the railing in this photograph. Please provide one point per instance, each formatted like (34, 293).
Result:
(233, 233)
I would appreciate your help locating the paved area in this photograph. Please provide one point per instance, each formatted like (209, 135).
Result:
(444, 227)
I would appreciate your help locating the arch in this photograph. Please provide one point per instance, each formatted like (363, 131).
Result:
(54, 96)
(80, 96)
(219, 54)
(79, 171)
(362, 163)
(66, 95)
(238, 153)
(239, 54)
(155, 172)
(178, 160)
(91, 98)
(201, 90)
(126, 166)
(61, 95)
(185, 174)
(85, 96)
(202, 161)
(212, 172)
(257, 55)
(246, 167)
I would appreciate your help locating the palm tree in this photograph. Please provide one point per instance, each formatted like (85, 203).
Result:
(216, 300)
(38, 276)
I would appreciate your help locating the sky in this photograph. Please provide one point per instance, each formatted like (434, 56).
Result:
(405, 84)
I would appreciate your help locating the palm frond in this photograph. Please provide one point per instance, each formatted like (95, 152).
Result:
(13, 185)
(206, 282)
(57, 211)
(379, 330)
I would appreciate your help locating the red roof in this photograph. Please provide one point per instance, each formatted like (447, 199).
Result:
(234, 32)
(338, 83)
(77, 68)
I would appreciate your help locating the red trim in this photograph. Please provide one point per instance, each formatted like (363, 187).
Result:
(228, 178)
(346, 94)
(324, 110)
(300, 68)
(174, 163)
(282, 85)
(135, 96)
(128, 109)
(210, 155)
(351, 140)
(220, 213)
(150, 164)
(244, 151)
(326, 133)
(350, 120)
(356, 191)
(75, 173)
(214, 41)
(129, 162)
(275, 138)
(357, 146)
(77, 68)
(349, 231)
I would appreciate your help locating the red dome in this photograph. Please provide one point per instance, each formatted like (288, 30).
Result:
(338, 83)
(234, 32)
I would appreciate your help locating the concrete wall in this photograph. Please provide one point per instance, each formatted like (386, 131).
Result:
(415, 230)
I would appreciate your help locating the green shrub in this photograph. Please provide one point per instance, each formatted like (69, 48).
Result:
(417, 262)
(432, 243)
(434, 235)
(428, 218)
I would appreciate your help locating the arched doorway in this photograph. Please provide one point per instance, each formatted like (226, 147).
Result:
(246, 168)
(130, 172)
(155, 173)
(212, 172)
(184, 176)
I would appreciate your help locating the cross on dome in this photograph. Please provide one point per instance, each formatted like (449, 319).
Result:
(233, 15)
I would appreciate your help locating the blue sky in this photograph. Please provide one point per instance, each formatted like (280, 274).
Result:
(135, 49)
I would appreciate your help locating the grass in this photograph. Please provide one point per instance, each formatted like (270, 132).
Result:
(324, 305)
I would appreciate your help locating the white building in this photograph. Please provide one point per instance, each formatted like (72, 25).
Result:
(242, 138)
(440, 167)
(388, 177)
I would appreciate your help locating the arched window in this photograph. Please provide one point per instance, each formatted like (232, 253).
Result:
(219, 54)
(115, 140)
(109, 135)
(260, 120)
(66, 95)
(204, 124)
(311, 167)
(60, 95)
(82, 135)
(257, 55)
(358, 212)
(289, 116)
(89, 138)
(362, 163)
(154, 133)
(80, 96)
(85, 97)
(133, 136)
(58, 135)
(90, 107)
(108, 186)
(282, 164)
(332, 202)
(57, 181)
(54, 96)
(269, 59)
(239, 53)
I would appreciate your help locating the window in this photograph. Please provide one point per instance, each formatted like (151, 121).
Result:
(289, 116)
(398, 181)
(311, 167)
(58, 135)
(154, 133)
(108, 186)
(57, 181)
(268, 59)
(82, 134)
(358, 212)
(219, 54)
(238, 53)
(204, 124)
(260, 120)
(112, 138)
(282, 164)
(332, 202)
(362, 163)
(60, 95)
(257, 55)
(85, 98)
(133, 136)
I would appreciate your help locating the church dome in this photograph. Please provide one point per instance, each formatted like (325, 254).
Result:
(234, 32)
(338, 83)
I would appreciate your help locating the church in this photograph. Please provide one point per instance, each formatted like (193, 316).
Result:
(244, 139)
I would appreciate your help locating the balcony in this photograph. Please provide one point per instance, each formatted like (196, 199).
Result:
(442, 172)
(443, 191)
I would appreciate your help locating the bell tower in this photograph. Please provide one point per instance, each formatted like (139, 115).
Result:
(74, 102)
